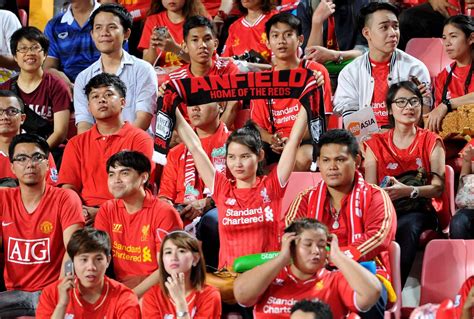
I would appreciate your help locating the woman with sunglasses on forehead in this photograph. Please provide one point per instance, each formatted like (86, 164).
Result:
(47, 98)
(406, 147)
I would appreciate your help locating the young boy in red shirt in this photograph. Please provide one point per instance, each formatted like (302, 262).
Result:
(86, 292)
(135, 220)
(200, 43)
(284, 36)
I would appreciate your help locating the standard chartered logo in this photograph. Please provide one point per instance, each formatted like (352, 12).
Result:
(146, 254)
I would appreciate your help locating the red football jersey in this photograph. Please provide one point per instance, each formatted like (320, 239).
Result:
(285, 111)
(248, 217)
(457, 84)
(380, 71)
(33, 243)
(136, 238)
(174, 183)
(6, 171)
(244, 36)
(115, 302)
(166, 59)
(392, 161)
(286, 290)
(86, 154)
(203, 304)
(460, 298)
(219, 67)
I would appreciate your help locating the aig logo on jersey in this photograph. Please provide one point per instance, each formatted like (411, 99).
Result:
(29, 251)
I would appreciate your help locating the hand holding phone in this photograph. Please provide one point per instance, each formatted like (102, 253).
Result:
(386, 181)
(162, 32)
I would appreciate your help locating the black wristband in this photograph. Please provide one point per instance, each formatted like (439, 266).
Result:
(447, 102)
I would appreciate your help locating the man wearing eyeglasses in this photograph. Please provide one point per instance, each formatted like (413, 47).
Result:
(12, 116)
(364, 82)
(37, 222)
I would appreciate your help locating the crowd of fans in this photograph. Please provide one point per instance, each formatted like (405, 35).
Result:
(95, 222)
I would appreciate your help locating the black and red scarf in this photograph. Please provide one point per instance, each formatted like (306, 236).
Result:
(296, 83)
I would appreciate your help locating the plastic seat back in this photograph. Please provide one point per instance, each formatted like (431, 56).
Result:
(431, 52)
(443, 270)
(394, 253)
(298, 182)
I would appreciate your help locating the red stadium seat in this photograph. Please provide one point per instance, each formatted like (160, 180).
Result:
(242, 117)
(394, 253)
(23, 17)
(443, 271)
(298, 182)
(431, 52)
(470, 258)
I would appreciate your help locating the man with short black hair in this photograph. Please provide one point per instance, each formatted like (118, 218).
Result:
(111, 26)
(364, 82)
(135, 218)
(37, 223)
(360, 214)
(310, 309)
(85, 156)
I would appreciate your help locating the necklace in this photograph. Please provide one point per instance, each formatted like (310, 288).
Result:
(335, 216)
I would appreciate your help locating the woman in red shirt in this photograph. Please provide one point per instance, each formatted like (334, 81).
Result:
(182, 292)
(454, 86)
(162, 46)
(248, 205)
(403, 148)
(299, 272)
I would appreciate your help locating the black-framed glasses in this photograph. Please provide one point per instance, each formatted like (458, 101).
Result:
(36, 158)
(402, 102)
(34, 48)
(10, 112)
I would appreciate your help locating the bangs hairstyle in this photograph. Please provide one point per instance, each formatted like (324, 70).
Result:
(130, 159)
(266, 6)
(88, 240)
(8, 93)
(463, 23)
(126, 19)
(302, 224)
(29, 139)
(369, 9)
(31, 34)
(392, 91)
(287, 18)
(105, 80)
(249, 136)
(190, 8)
(341, 137)
(196, 22)
(183, 240)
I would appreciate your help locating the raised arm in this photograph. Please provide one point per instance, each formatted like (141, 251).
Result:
(203, 164)
(288, 156)
(366, 286)
(253, 283)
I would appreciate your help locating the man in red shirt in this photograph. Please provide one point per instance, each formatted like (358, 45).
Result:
(360, 214)
(284, 37)
(37, 222)
(86, 292)
(85, 155)
(135, 220)
(200, 43)
(12, 116)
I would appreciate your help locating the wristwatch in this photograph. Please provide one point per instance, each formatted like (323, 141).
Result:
(415, 192)
(340, 58)
(447, 102)
(180, 314)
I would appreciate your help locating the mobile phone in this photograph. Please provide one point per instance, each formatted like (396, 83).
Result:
(180, 207)
(69, 268)
(415, 80)
(161, 31)
(385, 182)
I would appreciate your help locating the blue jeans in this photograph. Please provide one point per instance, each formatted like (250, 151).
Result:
(462, 224)
(17, 303)
(207, 232)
